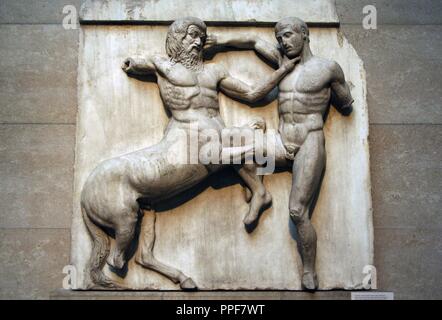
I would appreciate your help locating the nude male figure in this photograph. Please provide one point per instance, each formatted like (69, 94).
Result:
(304, 98)
(189, 88)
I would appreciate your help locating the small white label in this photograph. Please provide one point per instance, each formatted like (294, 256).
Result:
(372, 295)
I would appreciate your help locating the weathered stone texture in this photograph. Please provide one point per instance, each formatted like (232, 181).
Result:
(202, 295)
(408, 261)
(238, 11)
(404, 67)
(411, 12)
(34, 12)
(36, 169)
(32, 261)
(407, 168)
(38, 74)
(406, 171)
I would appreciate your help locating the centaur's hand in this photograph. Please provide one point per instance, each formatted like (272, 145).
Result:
(290, 64)
(211, 41)
(257, 123)
(128, 64)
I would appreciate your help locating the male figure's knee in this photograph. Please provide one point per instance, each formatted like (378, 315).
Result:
(297, 214)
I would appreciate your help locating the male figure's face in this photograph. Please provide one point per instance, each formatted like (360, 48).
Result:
(193, 42)
(291, 42)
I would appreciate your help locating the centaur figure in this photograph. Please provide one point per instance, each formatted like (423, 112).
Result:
(189, 88)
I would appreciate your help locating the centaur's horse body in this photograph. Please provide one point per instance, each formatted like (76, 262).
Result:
(110, 198)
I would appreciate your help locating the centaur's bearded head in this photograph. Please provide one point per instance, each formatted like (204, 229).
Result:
(185, 41)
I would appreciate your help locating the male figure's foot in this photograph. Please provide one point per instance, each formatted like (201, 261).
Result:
(310, 280)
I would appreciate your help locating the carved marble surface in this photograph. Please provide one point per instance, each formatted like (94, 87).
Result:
(212, 12)
(205, 236)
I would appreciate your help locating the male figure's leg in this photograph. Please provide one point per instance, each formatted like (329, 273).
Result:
(308, 166)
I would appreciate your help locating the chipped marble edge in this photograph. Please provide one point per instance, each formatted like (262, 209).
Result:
(318, 13)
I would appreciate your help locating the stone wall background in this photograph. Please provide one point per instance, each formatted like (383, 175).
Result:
(38, 70)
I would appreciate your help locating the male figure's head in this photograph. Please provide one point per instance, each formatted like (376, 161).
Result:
(292, 35)
(185, 40)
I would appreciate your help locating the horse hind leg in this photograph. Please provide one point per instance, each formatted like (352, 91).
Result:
(100, 251)
(125, 228)
(146, 258)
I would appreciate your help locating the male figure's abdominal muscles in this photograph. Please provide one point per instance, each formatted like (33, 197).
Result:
(304, 103)
(295, 127)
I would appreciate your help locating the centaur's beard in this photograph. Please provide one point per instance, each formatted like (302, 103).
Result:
(192, 58)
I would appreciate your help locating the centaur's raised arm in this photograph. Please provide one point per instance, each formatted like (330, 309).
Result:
(266, 49)
(139, 65)
(237, 89)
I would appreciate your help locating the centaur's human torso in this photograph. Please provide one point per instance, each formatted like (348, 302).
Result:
(191, 98)
(190, 95)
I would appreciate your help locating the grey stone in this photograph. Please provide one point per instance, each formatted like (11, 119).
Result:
(36, 170)
(408, 262)
(392, 11)
(212, 12)
(38, 74)
(61, 294)
(32, 262)
(41, 11)
(404, 68)
(406, 173)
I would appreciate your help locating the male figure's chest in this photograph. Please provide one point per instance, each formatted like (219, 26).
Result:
(305, 79)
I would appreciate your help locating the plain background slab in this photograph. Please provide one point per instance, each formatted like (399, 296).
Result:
(236, 11)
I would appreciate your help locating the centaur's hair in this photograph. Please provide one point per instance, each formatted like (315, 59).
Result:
(176, 33)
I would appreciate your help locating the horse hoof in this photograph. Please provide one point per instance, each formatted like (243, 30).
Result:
(188, 285)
